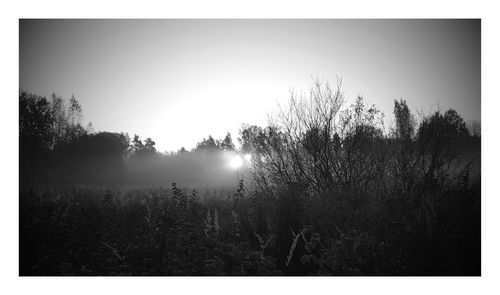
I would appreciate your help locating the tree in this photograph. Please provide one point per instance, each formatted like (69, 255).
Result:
(455, 124)
(438, 143)
(403, 164)
(314, 143)
(60, 120)
(35, 136)
(208, 144)
(35, 120)
(442, 126)
(227, 143)
(359, 153)
(140, 149)
(251, 138)
(149, 146)
(74, 111)
(405, 122)
(44, 128)
(137, 144)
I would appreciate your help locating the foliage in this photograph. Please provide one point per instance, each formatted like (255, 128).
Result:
(93, 231)
(99, 231)
(330, 194)
(317, 143)
(44, 126)
(212, 145)
(141, 149)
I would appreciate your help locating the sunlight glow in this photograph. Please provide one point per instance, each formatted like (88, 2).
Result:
(236, 162)
(248, 158)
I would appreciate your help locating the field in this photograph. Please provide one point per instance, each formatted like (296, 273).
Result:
(171, 231)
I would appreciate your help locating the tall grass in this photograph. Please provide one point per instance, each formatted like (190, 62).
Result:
(100, 231)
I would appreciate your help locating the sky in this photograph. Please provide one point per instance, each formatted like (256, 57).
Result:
(178, 81)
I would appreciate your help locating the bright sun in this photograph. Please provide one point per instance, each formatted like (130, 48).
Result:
(236, 162)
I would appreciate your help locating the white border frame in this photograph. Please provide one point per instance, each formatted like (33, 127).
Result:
(12, 11)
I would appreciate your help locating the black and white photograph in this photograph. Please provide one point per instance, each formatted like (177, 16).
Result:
(228, 147)
(249, 147)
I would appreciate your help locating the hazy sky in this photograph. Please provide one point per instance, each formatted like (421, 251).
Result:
(178, 81)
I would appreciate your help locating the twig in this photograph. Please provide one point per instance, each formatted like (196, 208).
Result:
(115, 252)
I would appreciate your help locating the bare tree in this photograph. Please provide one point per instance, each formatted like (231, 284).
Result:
(318, 144)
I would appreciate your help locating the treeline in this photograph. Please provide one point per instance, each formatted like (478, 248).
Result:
(204, 166)
(319, 143)
(56, 149)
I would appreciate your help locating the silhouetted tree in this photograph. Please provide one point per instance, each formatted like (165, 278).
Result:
(208, 144)
(35, 136)
(44, 127)
(316, 144)
(143, 149)
(227, 143)
(35, 120)
(438, 142)
(149, 146)
(405, 122)
(251, 138)
(404, 160)
(74, 111)
(60, 120)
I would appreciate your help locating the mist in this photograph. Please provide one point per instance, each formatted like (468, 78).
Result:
(197, 169)
(364, 173)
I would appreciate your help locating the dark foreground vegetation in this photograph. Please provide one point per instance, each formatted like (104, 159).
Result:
(330, 192)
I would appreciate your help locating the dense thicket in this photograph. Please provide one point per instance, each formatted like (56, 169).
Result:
(412, 188)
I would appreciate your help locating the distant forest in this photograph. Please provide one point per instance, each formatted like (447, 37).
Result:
(56, 149)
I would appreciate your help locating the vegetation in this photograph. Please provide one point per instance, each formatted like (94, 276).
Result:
(331, 191)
